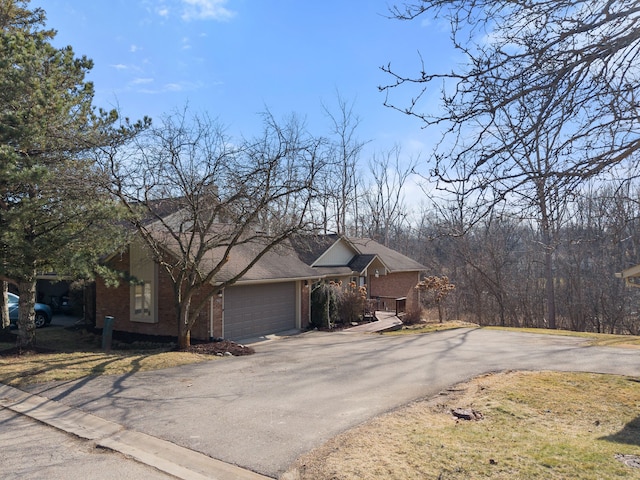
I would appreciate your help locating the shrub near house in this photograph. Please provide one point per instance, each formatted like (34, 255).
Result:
(334, 303)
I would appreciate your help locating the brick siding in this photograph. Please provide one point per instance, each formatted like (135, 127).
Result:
(115, 302)
(305, 305)
(394, 285)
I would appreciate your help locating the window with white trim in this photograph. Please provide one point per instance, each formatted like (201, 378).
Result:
(143, 271)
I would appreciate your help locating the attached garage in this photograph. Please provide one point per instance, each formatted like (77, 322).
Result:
(256, 310)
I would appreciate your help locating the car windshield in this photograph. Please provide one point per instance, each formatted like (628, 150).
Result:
(13, 298)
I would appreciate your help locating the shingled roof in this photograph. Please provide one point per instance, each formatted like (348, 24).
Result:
(294, 258)
(279, 263)
(310, 248)
(394, 261)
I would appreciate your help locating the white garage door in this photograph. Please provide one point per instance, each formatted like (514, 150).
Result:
(256, 310)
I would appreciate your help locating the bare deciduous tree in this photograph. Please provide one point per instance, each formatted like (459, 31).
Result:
(584, 51)
(195, 197)
(340, 184)
(386, 210)
(546, 99)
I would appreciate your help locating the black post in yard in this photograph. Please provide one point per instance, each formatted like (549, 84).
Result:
(107, 333)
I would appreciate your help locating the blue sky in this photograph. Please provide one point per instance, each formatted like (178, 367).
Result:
(234, 58)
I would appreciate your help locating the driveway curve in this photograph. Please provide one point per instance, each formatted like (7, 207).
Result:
(263, 411)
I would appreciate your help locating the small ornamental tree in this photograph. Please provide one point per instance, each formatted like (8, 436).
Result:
(226, 195)
(435, 289)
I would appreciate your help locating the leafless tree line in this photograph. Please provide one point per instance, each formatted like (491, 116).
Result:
(499, 269)
(541, 106)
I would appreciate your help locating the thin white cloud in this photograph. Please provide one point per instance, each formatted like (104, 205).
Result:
(170, 87)
(142, 81)
(134, 48)
(206, 10)
(119, 66)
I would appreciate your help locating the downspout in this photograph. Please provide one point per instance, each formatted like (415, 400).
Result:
(222, 312)
(299, 285)
(211, 301)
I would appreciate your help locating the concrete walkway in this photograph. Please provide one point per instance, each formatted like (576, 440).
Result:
(386, 321)
(165, 456)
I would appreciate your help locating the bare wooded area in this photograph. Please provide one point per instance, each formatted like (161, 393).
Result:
(534, 178)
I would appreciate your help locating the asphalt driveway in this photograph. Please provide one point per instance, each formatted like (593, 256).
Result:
(262, 411)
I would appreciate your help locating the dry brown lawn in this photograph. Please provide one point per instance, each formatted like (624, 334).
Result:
(535, 426)
(65, 355)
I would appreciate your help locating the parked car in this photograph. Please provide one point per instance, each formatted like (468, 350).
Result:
(43, 312)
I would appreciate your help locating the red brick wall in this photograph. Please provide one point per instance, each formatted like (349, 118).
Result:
(305, 305)
(394, 285)
(217, 316)
(114, 301)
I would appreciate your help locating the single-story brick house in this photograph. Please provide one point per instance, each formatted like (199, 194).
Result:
(387, 274)
(273, 296)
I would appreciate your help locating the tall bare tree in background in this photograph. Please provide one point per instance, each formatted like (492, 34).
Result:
(340, 184)
(386, 210)
(547, 98)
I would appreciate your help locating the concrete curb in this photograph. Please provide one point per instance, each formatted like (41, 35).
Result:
(163, 455)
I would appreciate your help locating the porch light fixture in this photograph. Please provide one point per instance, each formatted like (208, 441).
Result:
(377, 274)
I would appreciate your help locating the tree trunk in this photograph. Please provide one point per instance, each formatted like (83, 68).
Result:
(184, 329)
(503, 321)
(545, 227)
(26, 317)
(4, 305)
(550, 286)
(184, 340)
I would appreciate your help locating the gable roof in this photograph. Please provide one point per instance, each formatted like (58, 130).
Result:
(314, 250)
(278, 264)
(393, 260)
(310, 248)
(630, 276)
(299, 258)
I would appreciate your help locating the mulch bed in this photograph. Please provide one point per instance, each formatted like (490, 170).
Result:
(221, 348)
(21, 352)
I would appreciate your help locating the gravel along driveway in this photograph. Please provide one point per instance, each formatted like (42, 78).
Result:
(263, 411)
